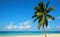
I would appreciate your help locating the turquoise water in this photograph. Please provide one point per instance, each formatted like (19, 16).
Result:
(8, 33)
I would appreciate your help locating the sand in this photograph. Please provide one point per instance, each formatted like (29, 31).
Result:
(48, 35)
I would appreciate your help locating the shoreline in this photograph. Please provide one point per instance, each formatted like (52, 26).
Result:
(48, 35)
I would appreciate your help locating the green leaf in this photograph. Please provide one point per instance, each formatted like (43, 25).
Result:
(50, 9)
(39, 13)
(40, 19)
(39, 25)
(50, 17)
(36, 19)
(37, 8)
(39, 22)
(46, 22)
(47, 4)
(43, 19)
(34, 16)
(42, 6)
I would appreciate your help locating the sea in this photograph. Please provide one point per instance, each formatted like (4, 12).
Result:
(12, 33)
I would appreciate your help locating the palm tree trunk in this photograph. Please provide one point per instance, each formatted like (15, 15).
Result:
(45, 32)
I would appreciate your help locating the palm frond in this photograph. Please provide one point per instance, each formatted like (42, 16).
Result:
(34, 16)
(36, 19)
(39, 25)
(47, 4)
(50, 17)
(41, 5)
(50, 9)
(39, 22)
(46, 22)
(39, 13)
(43, 19)
(37, 8)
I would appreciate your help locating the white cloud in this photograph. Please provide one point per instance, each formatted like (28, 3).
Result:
(21, 27)
(28, 26)
(58, 27)
(50, 27)
(53, 28)
(25, 25)
(27, 22)
(11, 26)
(58, 17)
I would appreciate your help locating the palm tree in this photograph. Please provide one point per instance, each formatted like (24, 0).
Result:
(42, 15)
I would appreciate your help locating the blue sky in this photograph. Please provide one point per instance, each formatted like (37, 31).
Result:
(16, 15)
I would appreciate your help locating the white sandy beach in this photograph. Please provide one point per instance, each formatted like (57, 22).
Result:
(48, 35)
